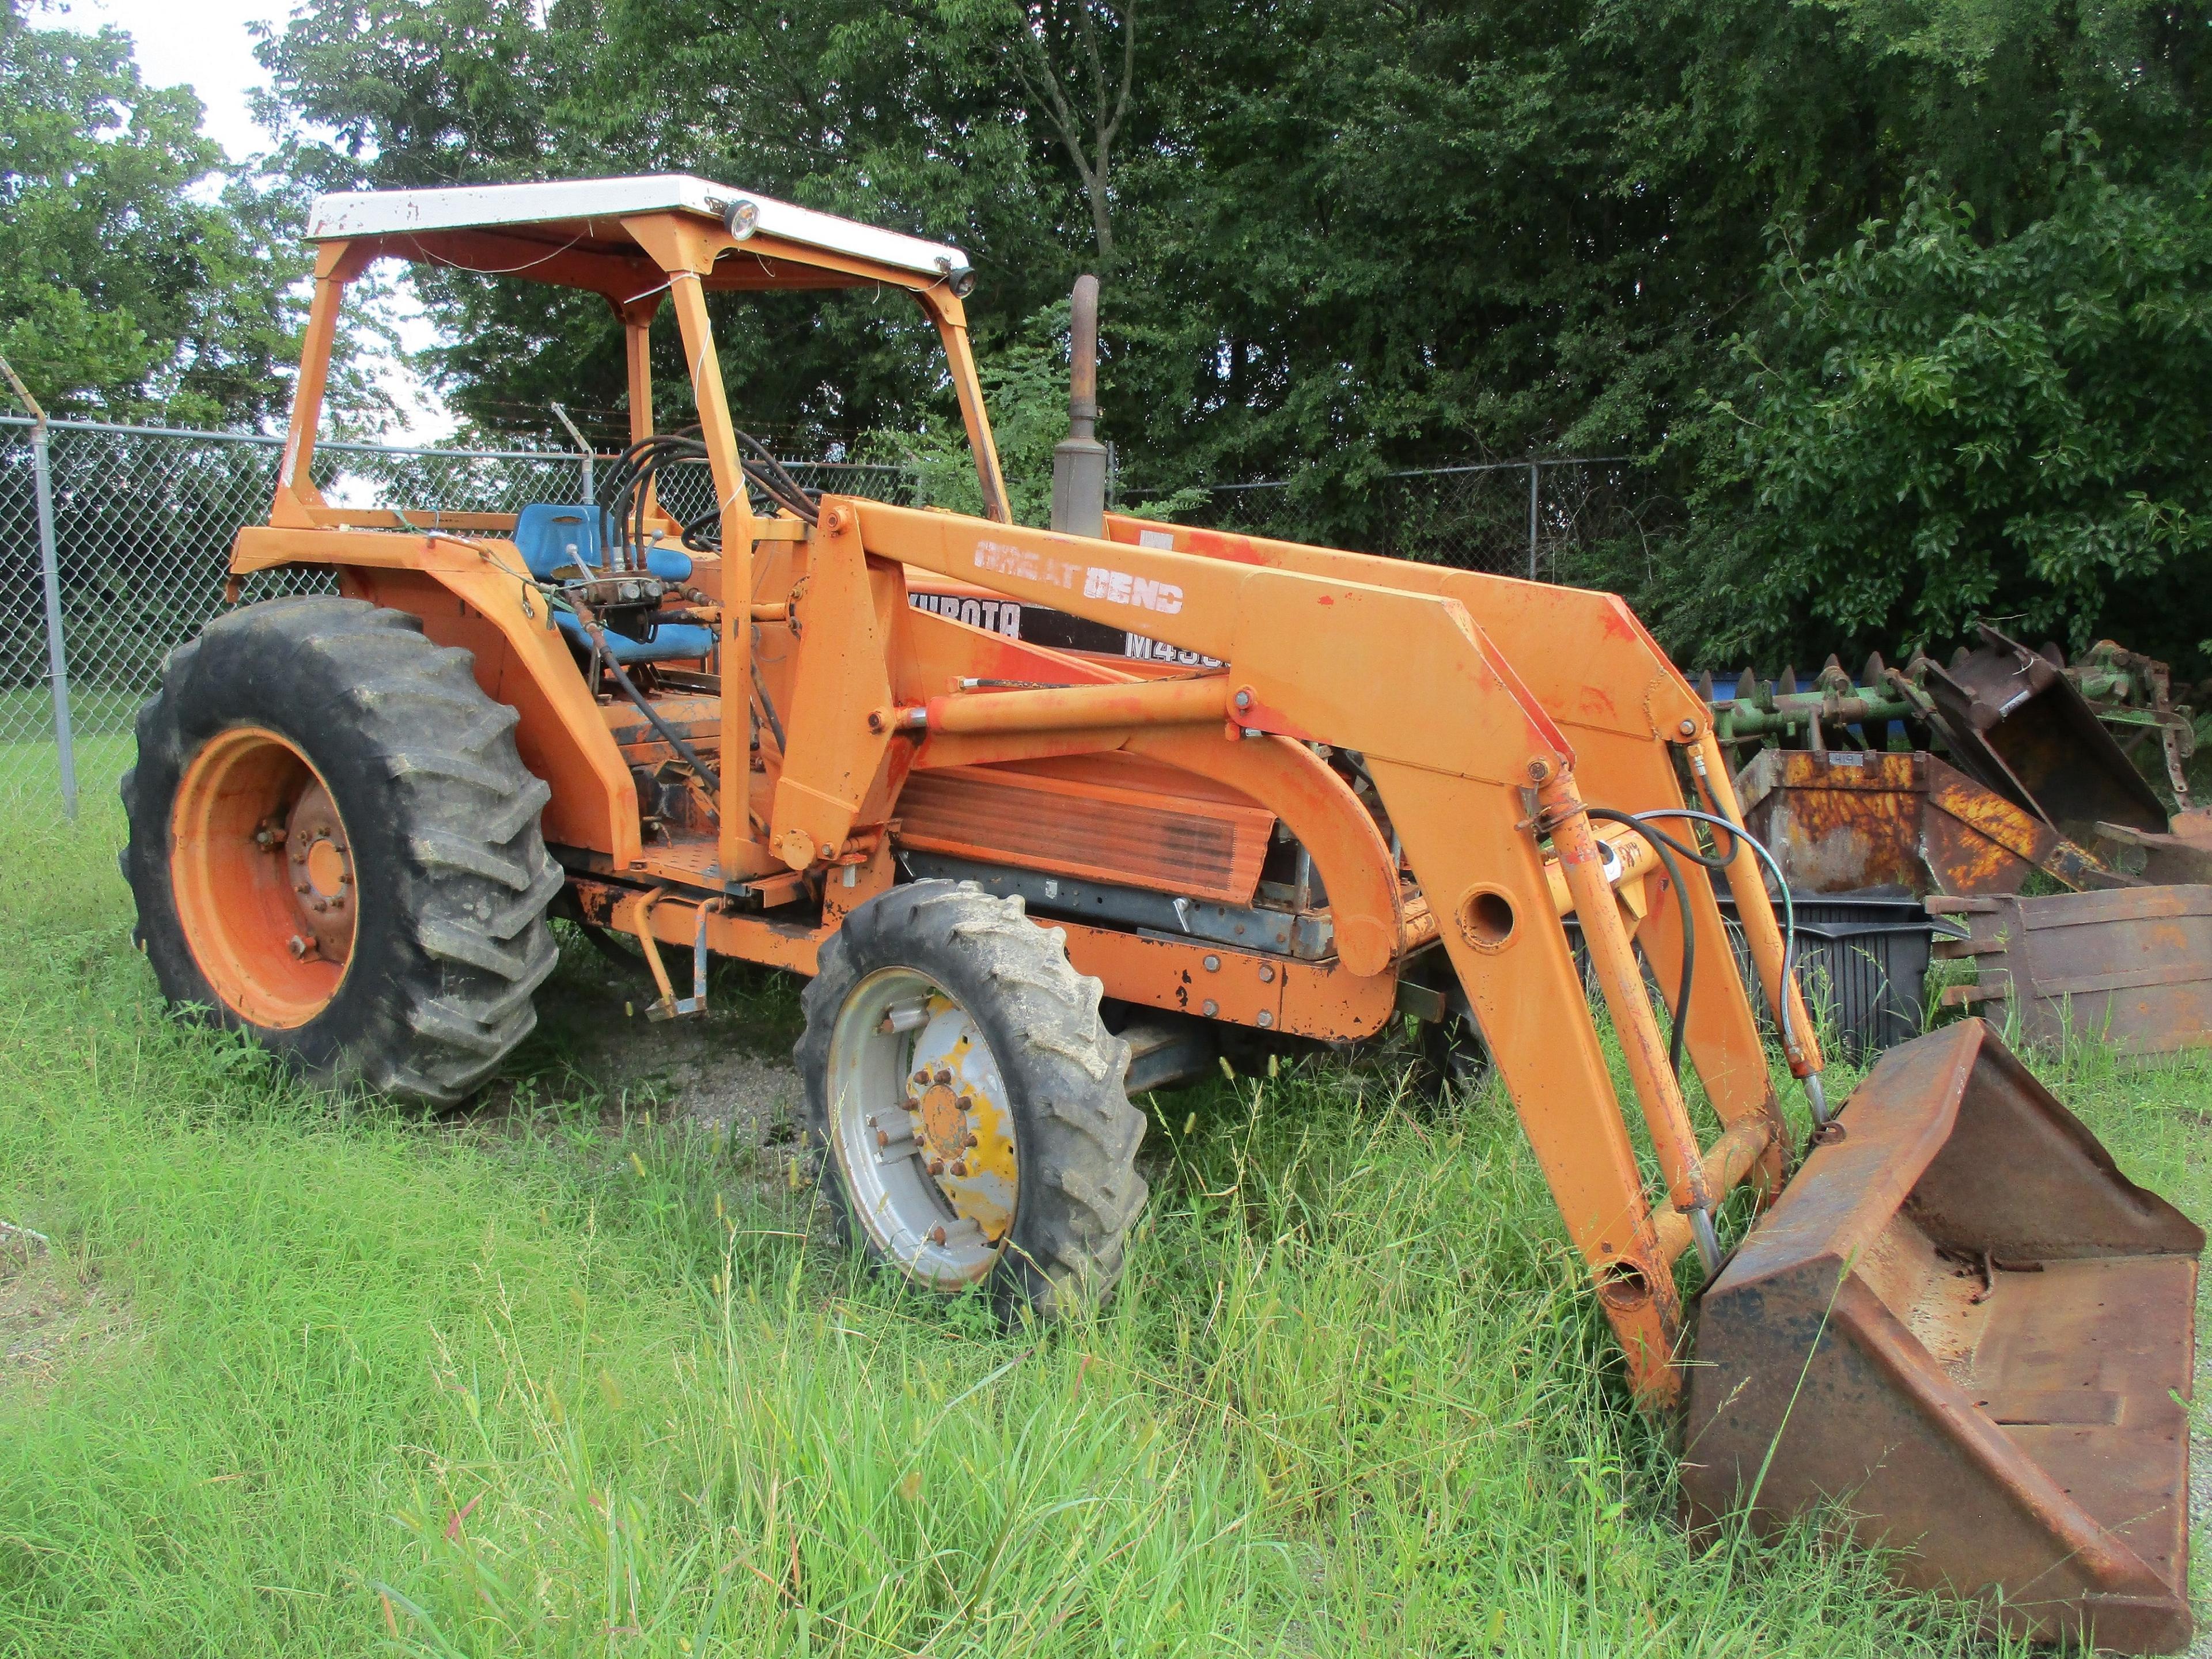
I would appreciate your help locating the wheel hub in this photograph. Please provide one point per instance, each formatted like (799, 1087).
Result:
(322, 875)
(262, 871)
(965, 1131)
(943, 1116)
(922, 1127)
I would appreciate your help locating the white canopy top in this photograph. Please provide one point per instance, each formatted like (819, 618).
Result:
(576, 203)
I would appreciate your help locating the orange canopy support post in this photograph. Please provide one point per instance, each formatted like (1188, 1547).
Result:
(951, 317)
(637, 316)
(686, 249)
(337, 264)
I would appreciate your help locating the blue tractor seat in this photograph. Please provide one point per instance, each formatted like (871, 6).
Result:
(560, 542)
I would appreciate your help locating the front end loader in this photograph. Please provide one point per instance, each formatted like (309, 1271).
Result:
(1027, 876)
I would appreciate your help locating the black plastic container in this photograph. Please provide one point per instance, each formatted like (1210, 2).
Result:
(1861, 962)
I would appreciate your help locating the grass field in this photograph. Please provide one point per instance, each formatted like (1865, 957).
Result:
(308, 1376)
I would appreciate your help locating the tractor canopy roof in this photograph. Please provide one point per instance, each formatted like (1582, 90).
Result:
(583, 233)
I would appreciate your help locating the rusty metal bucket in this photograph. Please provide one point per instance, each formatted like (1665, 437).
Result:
(1964, 1328)
(1842, 820)
(2011, 717)
(2131, 968)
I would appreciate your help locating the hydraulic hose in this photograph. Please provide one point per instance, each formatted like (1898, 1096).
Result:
(689, 755)
(1814, 1095)
(1665, 846)
(775, 481)
(640, 464)
(768, 705)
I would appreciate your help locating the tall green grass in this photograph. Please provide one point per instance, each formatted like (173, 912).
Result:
(573, 1380)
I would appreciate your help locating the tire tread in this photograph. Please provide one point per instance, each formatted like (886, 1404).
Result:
(474, 878)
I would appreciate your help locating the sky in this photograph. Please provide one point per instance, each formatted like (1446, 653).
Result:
(205, 44)
(202, 44)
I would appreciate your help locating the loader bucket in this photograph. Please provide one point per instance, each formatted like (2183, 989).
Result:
(2012, 718)
(1843, 820)
(1965, 1329)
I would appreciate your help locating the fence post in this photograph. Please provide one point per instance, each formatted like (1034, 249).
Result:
(56, 655)
(591, 494)
(51, 579)
(1533, 465)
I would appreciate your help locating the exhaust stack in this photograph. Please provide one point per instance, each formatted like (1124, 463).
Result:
(1078, 462)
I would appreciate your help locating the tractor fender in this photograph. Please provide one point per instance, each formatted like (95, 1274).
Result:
(1301, 789)
(472, 595)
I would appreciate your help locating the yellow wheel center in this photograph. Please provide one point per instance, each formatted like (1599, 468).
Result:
(943, 1121)
(325, 869)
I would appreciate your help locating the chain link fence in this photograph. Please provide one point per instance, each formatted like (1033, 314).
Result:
(141, 522)
(142, 519)
(1540, 519)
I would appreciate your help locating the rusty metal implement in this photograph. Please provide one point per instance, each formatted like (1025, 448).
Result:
(1963, 1326)
(2012, 717)
(2133, 969)
(1843, 820)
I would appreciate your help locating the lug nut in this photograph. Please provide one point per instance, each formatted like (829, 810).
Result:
(945, 1077)
(882, 1139)
(301, 946)
(971, 1141)
(922, 1076)
(937, 1234)
(961, 1168)
(937, 1166)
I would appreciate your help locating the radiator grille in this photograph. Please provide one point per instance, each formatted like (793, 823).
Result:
(1188, 844)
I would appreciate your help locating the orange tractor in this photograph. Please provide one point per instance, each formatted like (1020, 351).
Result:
(1049, 817)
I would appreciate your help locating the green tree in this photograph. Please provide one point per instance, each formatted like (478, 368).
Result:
(1930, 427)
(1345, 238)
(124, 289)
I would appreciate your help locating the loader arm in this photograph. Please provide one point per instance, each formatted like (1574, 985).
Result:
(1474, 775)
(1598, 672)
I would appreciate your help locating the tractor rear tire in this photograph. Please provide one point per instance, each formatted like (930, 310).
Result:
(335, 847)
(987, 979)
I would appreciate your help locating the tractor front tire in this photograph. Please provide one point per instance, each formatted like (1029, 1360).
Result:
(968, 1103)
(334, 848)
